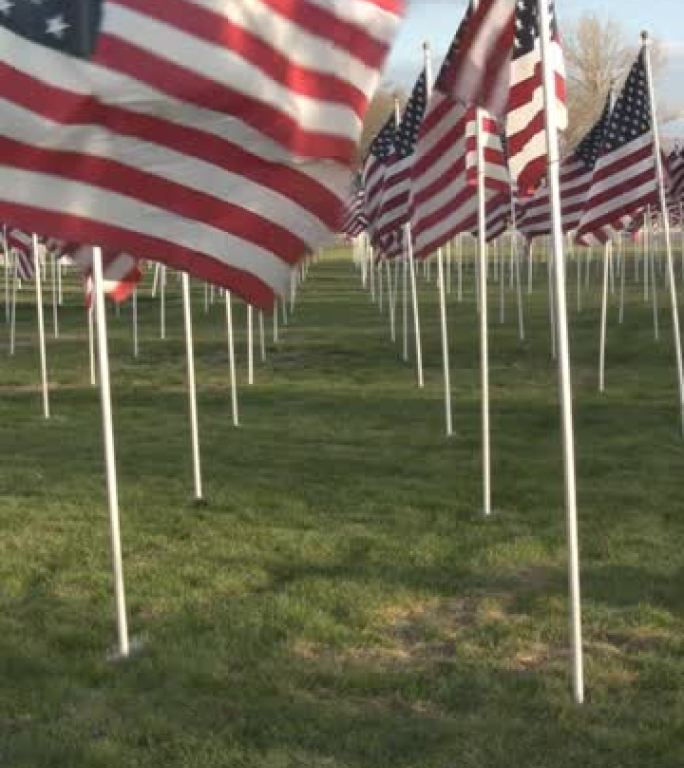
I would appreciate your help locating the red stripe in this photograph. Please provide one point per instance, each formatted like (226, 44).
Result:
(67, 108)
(179, 83)
(625, 159)
(169, 196)
(216, 29)
(344, 34)
(80, 229)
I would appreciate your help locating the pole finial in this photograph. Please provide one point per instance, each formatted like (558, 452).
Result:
(645, 39)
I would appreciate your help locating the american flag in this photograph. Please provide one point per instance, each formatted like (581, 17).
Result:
(121, 272)
(214, 135)
(675, 169)
(355, 222)
(575, 181)
(498, 67)
(625, 180)
(444, 199)
(20, 244)
(394, 209)
(498, 217)
(375, 170)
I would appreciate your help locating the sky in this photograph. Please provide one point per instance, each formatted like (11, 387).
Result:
(437, 20)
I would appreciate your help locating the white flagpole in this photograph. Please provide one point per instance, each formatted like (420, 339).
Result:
(13, 321)
(404, 308)
(484, 330)
(41, 328)
(110, 458)
(55, 297)
(206, 298)
(604, 319)
(192, 392)
(134, 308)
(162, 301)
(275, 321)
(155, 279)
(262, 337)
(552, 308)
(60, 287)
(441, 286)
(666, 225)
(380, 286)
(293, 290)
(250, 344)
(515, 264)
(391, 298)
(91, 344)
(565, 384)
(6, 254)
(231, 358)
(623, 270)
(502, 271)
(445, 344)
(414, 298)
(459, 249)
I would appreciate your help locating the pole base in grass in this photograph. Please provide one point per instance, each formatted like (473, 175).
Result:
(135, 647)
(200, 503)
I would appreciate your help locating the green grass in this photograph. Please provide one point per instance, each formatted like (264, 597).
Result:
(340, 602)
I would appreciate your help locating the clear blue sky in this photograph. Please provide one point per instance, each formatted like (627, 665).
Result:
(437, 20)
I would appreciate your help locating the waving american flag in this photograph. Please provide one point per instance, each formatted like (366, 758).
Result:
(215, 135)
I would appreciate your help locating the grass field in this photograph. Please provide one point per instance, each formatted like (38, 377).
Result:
(340, 602)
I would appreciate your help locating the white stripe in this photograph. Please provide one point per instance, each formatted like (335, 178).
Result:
(381, 24)
(83, 78)
(297, 44)
(71, 198)
(186, 171)
(228, 68)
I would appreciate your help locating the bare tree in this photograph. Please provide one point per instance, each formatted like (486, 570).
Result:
(598, 55)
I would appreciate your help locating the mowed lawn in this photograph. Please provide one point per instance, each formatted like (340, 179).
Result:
(340, 602)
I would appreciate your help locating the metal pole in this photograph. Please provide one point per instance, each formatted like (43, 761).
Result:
(250, 344)
(484, 329)
(41, 328)
(414, 299)
(13, 321)
(231, 358)
(666, 225)
(134, 308)
(563, 355)
(162, 302)
(91, 344)
(262, 337)
(110, 458)
(445, 344)
(404, 308)
(604, 319)
(392, 300)
(192, 393)
(55, 297)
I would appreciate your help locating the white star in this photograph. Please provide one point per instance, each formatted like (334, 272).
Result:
(6, 6)
(57, 26)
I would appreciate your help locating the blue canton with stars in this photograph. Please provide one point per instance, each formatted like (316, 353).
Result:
(69, 26)
(407, 135)
(631, 116)
(527, 26)
(383, 143)
(589, 148)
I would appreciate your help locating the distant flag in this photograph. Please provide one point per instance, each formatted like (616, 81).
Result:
(498, 67)
(375, 169)
(498, 217)
(675, 169)
(354, 221)
(217, 135)
(394, 209)
(624, 181)
(444, 199)
(120, 271)
(575, 181)
(21, 245)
